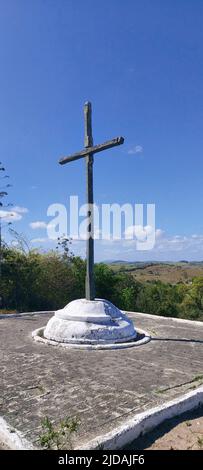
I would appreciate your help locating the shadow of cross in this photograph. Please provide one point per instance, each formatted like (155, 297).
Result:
(88, 153)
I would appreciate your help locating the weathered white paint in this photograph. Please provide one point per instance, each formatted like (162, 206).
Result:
(90, 322)
(38, 335)
(12, 438)
(178, 320)
(16, 315)
(123, 434)
(145, 422)
(147, 315)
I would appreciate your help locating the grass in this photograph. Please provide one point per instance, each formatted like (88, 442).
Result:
(200, 441)
(5, 311)
(165, 272)
(58, 436)
(197, 378)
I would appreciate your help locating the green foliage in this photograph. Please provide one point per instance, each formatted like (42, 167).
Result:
(58, 437)
(192, 302)
(119, 288)
(200, 441)
(158, 298)
(105, 281)
(33, 281)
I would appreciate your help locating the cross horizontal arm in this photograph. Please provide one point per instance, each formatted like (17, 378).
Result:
(91, 150)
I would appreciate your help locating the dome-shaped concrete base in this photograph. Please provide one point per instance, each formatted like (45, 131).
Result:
(90, 322)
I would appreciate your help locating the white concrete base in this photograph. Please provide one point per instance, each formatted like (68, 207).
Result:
(90, 322)
(142, 338)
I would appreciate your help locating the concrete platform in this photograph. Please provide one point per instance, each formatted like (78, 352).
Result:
(106, 389)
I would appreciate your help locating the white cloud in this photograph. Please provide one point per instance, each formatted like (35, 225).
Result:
(173, 243)
(45, 240)
(14, 243)
(136, 149)
(187, 245)
(38, 225)
(42, 240)
(20, 210)
(159, 233)
(164, 242)
(13, 215)
(138, 231)
(10, 216)
(167, 247)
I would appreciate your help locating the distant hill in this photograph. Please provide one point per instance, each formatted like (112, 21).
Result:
(182, 271)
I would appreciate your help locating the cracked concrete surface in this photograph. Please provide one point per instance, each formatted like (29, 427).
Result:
(103, 388)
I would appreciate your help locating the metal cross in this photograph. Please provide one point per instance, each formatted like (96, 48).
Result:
(88, 153)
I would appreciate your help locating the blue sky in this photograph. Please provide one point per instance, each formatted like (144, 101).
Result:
(140, 63)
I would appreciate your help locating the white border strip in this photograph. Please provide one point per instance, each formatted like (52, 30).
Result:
(145, 422)
(12, 438)
(16, 315)
(178, 320)
(37, 336)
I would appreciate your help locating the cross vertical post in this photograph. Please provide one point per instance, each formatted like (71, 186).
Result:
(89, 284)
(88, 153)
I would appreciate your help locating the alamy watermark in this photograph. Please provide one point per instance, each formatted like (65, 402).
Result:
(111, 222)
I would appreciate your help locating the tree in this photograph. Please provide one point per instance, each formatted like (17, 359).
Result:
(192, 303)
(3, 194)
(157, 298)
(105, 281)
